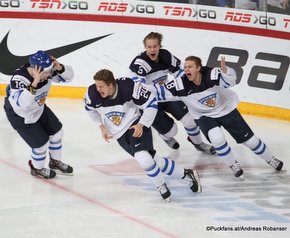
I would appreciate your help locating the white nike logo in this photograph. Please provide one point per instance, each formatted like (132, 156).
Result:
(136, 145)
(98, 105)
(246, 135)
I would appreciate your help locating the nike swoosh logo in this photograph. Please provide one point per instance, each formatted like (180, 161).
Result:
(9, 62)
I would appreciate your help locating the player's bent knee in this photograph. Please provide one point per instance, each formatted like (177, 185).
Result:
(188, 121)
(173, 131)
(216, 136)
(252, 142)
(144, 159)
(57, 136)
(42, 149)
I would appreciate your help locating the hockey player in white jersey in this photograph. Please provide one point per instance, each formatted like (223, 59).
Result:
(115, 104)
(26, 110)
(152, 68)
(206, 92)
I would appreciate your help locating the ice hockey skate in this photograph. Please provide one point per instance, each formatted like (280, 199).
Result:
(42, 173)
(206, 148)
(192, 178)
(60, 167)
(164, 192)
(276, 164)
(237, 170)
(172, 143)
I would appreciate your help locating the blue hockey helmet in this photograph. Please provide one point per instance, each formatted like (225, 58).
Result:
(41, 59)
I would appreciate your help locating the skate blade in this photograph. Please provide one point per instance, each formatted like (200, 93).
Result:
(58, 172)
(199, 189)
(42, 177)
(196, 176)
(168, 199)
(241, 178)
(280, 171)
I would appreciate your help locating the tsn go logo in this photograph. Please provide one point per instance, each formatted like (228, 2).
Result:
(59, 4)
(10, 3)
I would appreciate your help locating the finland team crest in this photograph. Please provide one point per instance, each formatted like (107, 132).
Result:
(209, 100)
(40, 99)
(160, 80)
(115, 117)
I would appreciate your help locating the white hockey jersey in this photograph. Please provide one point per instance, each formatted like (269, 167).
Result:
(143, 69)
(27, 105)
(119, 113)
(211, 98)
